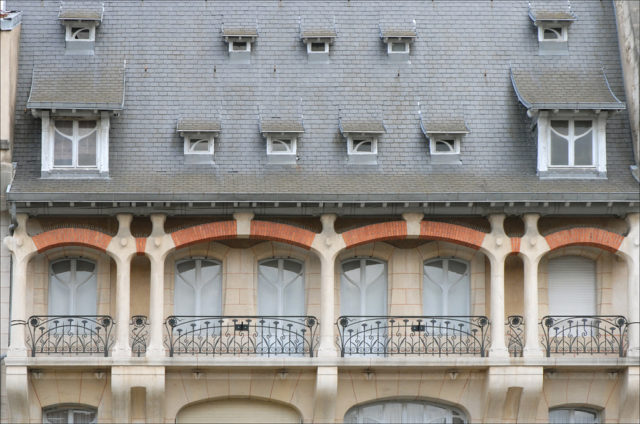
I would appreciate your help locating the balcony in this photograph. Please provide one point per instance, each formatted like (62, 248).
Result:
(241, 335)
(70, 335)
(413, 335)
(584, 334)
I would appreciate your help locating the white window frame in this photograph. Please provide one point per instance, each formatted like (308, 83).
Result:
(233, 42)
(189, 137)
(312, 52)
(407, 47)
(198, 284)
(571, 139)
(597, 169)
(446, 285)
(351, 148)
(48, 144)
(435, 138)
(273, 137)
(72, 284)
(69, 33)
(280, 284)
(564, 33)
(70, 409)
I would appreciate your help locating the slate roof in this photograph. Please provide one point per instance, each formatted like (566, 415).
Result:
(318, 33)
(362, 126)
(450, 126)
(281, 126)
(198, 125)
(564, 88)
(461, 62)
(239, 32)
(81, 11)
(399, 33)
(77, 84)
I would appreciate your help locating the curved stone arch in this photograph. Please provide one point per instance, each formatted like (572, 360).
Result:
(61, 237)
(406, 397)
(585, 236)
(231, 398)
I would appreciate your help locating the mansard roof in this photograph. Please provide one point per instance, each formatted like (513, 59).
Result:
(177, 65)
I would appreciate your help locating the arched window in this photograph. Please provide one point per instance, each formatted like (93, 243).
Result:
(198, 287)
(404, 411)
(446, 289)
(281, 287)
(69, 414)
(576, 415)
(363, 287)
(572, 277)
(73, 287)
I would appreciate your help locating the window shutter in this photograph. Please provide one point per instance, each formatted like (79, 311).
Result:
(572, 286)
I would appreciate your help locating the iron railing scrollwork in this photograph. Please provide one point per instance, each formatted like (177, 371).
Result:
(413, 335)
(584, 334)
(515, 335)
(138, 334)
(242, 335)
(70, 334)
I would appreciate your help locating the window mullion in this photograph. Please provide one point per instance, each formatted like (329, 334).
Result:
(74, 144)
(571, 128)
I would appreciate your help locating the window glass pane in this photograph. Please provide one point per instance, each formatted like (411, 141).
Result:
(239, 45)
(184, 296)
(86, 297)
(80, 33)
(376, 297)
(581, 128)
(459, 294)
(414, 413)
(559, 150)
(445, 146)
(434, 270)
(62, 151)
(86, 127)
(584, 417)
(552, 33)
(562, 127)
(62, 270)
(281, 145)
(64, 126)
(398, 47)
(187, 270)
(583, 149)
(317, 47)
(56, 417)
(87, 150)
(199, 145)
(59, 297)
(363, 146)
(403, 411)
(294, 297)
(350, 288)
(392, 412)
(457, 269)
(431, 298)
(210, 298)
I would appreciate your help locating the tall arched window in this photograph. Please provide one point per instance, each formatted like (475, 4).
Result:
(363, 287)
(281, 287)
(198, 287)
(577, 415)
(404, 411)
(572, 277)
(73, 287)
(446, 290)
(69, 414)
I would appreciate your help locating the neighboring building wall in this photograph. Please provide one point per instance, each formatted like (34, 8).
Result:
(9, 45)
(627, 18)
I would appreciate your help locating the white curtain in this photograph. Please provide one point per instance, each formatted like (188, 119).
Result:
(404, 411)
(73, 287)
(198, 288)
(281, 288)
(572, 286)
(446, 289)
(363, 287)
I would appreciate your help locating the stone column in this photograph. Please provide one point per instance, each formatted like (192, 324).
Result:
(327, 245)
(532, 248)
(122, 249)
(158, 246)
(497, 246)
(630, 248)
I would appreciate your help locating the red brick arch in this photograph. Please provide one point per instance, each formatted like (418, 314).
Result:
(587, 236)
(375, 232)
(265, 230)
(71, 237)
(218, 230)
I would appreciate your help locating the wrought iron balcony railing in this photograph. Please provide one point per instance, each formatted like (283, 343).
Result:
(515, 335)
(584, 334)
(413, 335)
(241, 335)
(69, 334)
(138, 334)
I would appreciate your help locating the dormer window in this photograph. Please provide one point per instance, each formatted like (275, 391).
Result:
(569, 110)
(282, 139)
(318, 43)
(76, 112)
(445, 138)
(199, 139)
(553, 30)
(80, 21)
(362, 140)
(240, 40)
(398, 43)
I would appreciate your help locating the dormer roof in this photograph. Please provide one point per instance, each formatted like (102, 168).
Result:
(276, 125)
(444, 126)
(191, 125)
(358, 126)
(537, 16)
(81, 11)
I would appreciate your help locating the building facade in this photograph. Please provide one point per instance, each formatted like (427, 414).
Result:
(290, 211)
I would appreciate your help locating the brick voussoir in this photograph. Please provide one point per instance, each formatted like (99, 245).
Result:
(264, 230)
(71, 237)
(375, 232)
(589, 236)
(219, 230)
(452, 233)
